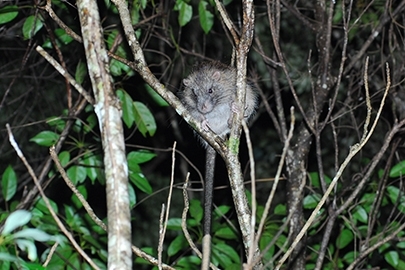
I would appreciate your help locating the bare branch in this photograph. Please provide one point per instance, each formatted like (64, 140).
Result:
(353, 151)
(46, 200)
(166, 215)
(184, 223)
(65, 74)
(108, 111)
(72, 187)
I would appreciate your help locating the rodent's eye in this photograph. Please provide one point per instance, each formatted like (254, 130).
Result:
(210, 91)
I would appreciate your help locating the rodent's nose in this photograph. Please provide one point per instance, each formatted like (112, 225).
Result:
(206, 107)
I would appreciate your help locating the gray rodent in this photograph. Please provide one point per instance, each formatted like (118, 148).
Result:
(209, 94)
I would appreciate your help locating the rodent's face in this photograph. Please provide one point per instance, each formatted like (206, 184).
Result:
(204, 91)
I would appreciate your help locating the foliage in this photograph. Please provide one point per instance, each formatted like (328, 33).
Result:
(24, 239)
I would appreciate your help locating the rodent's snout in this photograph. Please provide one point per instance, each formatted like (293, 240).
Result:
(205, 106)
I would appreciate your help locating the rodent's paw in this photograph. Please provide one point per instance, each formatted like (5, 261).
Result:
(235, 107)
(205, 125)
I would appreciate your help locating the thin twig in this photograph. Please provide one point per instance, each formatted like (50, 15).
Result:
(91, 213)
(253, 188)
(46, 200)
(50, 254)
(169, 199)
(65, 74)
(72, 187)
(277, 177)
(353, 151)
(184, 222)
(161, 236)
(375, 246)
(228, 22)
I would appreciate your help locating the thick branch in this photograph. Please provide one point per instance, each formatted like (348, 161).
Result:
(107, 108)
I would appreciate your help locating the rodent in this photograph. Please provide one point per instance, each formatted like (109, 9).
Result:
(209, 95)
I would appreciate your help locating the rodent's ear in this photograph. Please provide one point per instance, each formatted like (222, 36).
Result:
(186, 82)
(217, 75)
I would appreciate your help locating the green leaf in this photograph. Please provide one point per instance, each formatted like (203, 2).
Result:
(41, 206)
(395, 194)
(345, 238)
(64, 158)
(398, 169)
(56, 122)
(185, 12)
(196, 210)
(81, 72)
(206, 17)
(337, 18)
(226, 233)
(176, 245)
(280, 209)
(93, 167)
(224, 254)
(60, 260)
(90, 161)
(32, 266)
(314, 179)
(401, 264)
(400, 245)
(392, 257)
(174, 224)
(94, 241)
(62, 36)
(132, 196)
(82, 189)
(45, 138)
(140, 181)
(91, 123)
(77, 127)
(8, 13)
(144, 119)
(188, 262)
(31, 26)
(9, 183)
(16, 219)
(29, 247)
(77, 174)
(350, 256)
(118, 68)
(128, 113)
(69, 214)
(265, 240)
(75, 261)
(311, 201)
(31, 233)
(7, 257)
(221, 210)
(140, 157)
(155, 96)
(135, 14)
(360, 214)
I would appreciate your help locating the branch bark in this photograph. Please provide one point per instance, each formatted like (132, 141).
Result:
(108, 111)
